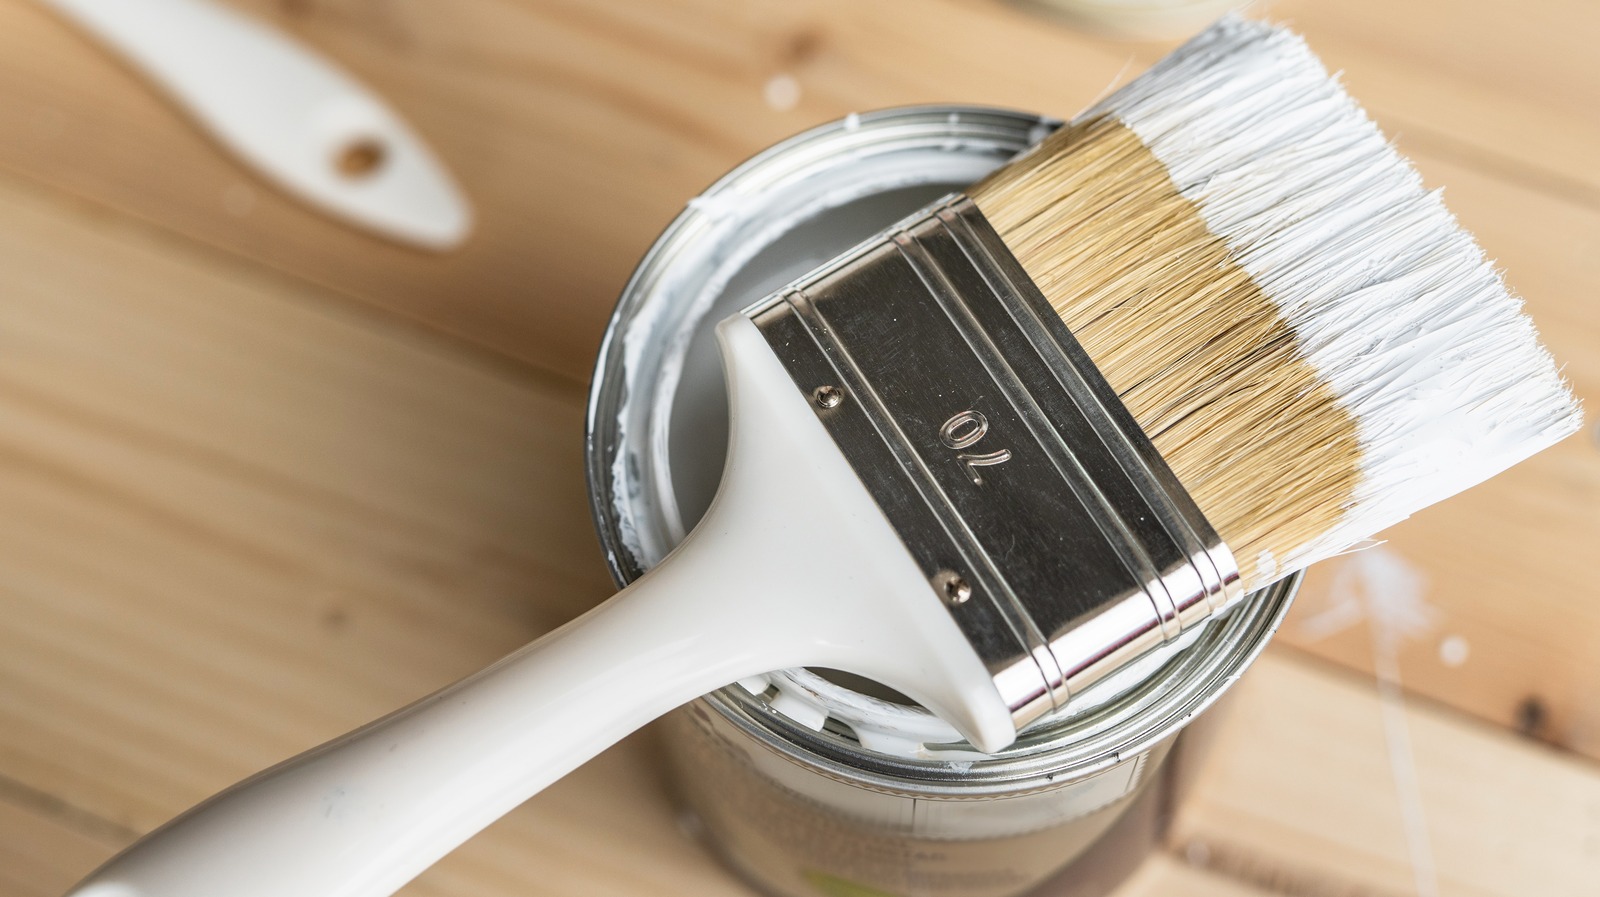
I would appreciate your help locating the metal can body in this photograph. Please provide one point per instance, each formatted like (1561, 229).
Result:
(797, 832)
(814, 785)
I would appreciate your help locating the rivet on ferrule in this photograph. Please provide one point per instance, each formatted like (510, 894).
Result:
(953, 587)
(827, 396)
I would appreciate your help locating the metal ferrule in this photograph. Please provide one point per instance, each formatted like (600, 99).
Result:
(1042, 515)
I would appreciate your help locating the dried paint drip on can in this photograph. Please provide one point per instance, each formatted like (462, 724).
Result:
(815, 785)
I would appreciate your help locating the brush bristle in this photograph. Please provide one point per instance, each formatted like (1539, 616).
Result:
(1308, 336)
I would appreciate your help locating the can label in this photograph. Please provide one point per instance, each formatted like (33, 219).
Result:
(803, 833)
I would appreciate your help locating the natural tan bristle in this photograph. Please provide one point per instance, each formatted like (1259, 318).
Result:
(1307, 335)
(1200, 356)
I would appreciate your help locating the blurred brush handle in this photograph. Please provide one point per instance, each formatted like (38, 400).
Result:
(288, 112)
(792, 566)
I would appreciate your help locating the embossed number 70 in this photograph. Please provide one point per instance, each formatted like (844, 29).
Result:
(963, 431)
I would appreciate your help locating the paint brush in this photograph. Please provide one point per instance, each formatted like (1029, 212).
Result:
(1210, 332)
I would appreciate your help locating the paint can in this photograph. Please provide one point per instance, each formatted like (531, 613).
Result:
(811, 784)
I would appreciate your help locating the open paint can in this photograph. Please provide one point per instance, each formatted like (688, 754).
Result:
(814, 784)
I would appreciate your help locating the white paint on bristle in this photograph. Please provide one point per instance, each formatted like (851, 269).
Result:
(1393, 303)
(1266, 565)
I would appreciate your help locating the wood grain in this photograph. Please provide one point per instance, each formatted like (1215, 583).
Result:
(580, 128)
(1162, 876)
(224, 492)
(1300, 797)
(41, 856)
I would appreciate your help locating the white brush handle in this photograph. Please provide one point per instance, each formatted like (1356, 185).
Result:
(793, 565)
(286, 111)
(365, 814)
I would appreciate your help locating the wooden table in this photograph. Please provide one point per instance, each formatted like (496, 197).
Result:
(263, 478)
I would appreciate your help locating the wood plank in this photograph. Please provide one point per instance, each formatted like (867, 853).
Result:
(232, 506)
(40, 855)
(1163, 876)
(580, 128)
(1299, 797)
